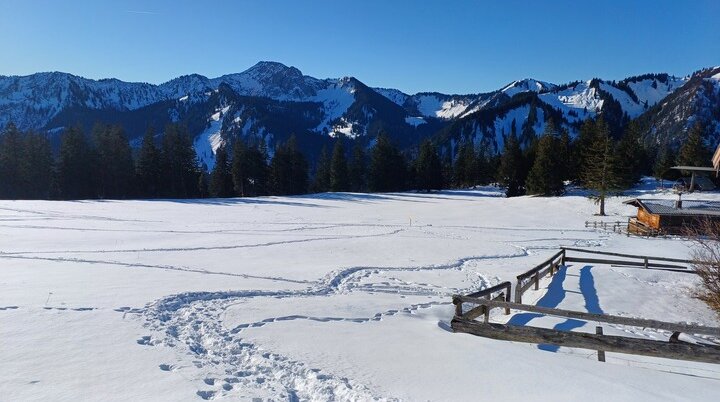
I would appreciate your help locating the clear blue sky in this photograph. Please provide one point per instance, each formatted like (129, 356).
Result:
(446, 46)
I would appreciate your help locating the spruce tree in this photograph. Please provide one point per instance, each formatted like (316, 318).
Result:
(148, 169)
(11, 150)
(630, 156)
(599, 165)
(77, 166)
(428, 168)
(387, 169)
(339, 180)
(116, 170)
(240, 174)
(37, 166)
(545, 177)
(221, 180)
(323, 175)
(179, 163)
(466, 166)
(662, 169)
(694, 152)
(288, 169)
(510, 170)
(357, 169)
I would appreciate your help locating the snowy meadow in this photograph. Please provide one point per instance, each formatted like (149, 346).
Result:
(321, 297)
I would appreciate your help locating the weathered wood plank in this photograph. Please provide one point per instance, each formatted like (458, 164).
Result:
(612, 319)
(480, 310)
(628, 255)
(608, 343)
(662, 267)
(540, 266)
(505, 286)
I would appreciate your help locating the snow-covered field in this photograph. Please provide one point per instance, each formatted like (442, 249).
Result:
(322, 297)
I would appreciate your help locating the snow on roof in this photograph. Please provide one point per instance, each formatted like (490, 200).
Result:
(667, 207)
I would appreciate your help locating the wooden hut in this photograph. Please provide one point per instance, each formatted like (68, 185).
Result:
(670, 216)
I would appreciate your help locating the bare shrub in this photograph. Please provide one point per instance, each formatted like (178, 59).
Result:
(706, 236)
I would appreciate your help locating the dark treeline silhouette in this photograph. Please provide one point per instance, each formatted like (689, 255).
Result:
(101, 164)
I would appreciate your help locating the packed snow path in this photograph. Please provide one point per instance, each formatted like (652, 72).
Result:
(326, 297)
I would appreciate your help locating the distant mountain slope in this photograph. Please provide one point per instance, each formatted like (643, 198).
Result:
(271, 101)
(696, 101)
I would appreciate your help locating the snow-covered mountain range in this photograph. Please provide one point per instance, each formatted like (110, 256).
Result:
(271, 101)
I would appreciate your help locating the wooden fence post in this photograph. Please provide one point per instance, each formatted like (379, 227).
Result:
(646, 262)
(458, 307)
(601, 353)
(537, 281)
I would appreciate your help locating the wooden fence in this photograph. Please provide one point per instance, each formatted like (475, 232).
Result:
(527, 279)
(498, 296)
(673, 349)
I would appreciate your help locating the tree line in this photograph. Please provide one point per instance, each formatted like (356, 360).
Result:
(102, 164)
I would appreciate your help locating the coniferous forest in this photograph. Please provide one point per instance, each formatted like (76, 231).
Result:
(101, 164)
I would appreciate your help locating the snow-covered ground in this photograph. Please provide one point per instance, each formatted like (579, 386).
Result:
(320, 297)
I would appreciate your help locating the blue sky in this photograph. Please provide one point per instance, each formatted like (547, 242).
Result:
(423, 45)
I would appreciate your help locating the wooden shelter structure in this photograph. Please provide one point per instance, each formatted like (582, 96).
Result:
(656, 217)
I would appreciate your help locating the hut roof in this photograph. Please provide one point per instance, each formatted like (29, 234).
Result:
(667, 207)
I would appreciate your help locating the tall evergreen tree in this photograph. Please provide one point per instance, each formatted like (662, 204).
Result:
(221, 180)
(115, 166)
(357, 169)
(662, 169)
(694, 152)
(466, 166)
(510, 173)
(599, 165)
(428, 168)
(179, 163)
(77, 166)
(288, 169)
(323, 175)
(37, 166)
(631, 156)
(545, 177)
(387, 167)
(148, 168)
(339, 180)
(11, 150)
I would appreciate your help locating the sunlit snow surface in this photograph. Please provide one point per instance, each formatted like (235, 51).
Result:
(320, 297)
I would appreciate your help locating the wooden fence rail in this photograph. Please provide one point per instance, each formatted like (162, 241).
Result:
(673, 349)
(549, 266)
(498, 296)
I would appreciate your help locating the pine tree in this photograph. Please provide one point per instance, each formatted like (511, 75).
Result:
(694, 152)
(466, 166)
(662, 169)
(288, 169)
(630, 156)
(387, 167)
(148, 169)
(77, 166)
(545, 177)
(599, 165)
(221, 180)
(357, 170)
(115, 166)
(339, 180)
(428, 168)
(510, 170)
(179, 163)
(323, 175)
(240, 174)
(37, 166)
(11, 147)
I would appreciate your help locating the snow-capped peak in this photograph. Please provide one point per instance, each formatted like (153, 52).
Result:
(527, 85)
